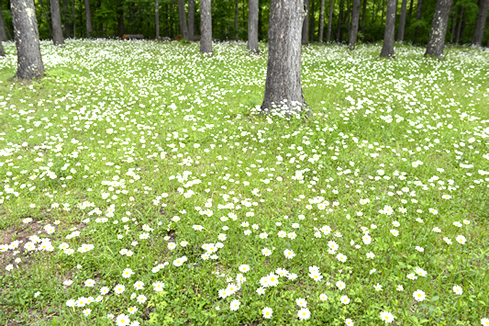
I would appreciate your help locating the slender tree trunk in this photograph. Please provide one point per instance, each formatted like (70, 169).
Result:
(283, 82)
(355, 20)
(88, 18)
(340, 20)
(206, 26)
(29, 60)
(236, 13)
(260, 22)
(312, 27)
(321, 22)
(402, 21)
(348, 20)
(73, 16)
(438, 30)
(454, 23)
(363, 19)
(411, 9)
(418, 18)
(157, 18)
(183, 19)
(253, 26)
(2, 51)
(120, 19)
(46, 16)
(330, 21)
(305, 24)
(170, 16)
(459, 24)
(480, 23)
(56, 21)
(191, 19)
(3, 34)
(390, 28)
(66, 19)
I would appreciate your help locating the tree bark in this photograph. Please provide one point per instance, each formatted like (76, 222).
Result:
(120, 19)
(418, 18)
(330, 21)
(402, 21)
(183, 19)
(340, 20)
(205, 26)
(348, 20)
(260, 22)
(312, 27)
(236, 13)
(480, 23)
(157, 18)
(29, 60)
(363, 18)
(56, 21)
(191, 19)
(88, 18)
(2, 51)
(305, 24)
(355, 20)
(390, 28)
(253, 26)
(283, 82)
(66, 20)
(73, 16)
(439, 26)
(321, 22)
(3, 34)
(459, 24)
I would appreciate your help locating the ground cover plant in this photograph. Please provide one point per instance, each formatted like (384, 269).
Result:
(141, 186)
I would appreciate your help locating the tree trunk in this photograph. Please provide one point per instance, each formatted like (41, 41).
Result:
(348, 20)
(459, 24)
(45, 14)
(402, 21)
(3, 34)
(321, 22)
(454, 23)
(2, 51)
(312, 27)
(205, 26)
(183, 19)
(418, 18)
(283, 82)
(56, 21)
(305, 24)
(260, 22)
(66, 20)
(191, 19)
(170, 19)
(330, 21)
(390, 29)
(120, 19)
(480, 23)
(73, 16)
(88, 18)
(438, 30)
(236, 13)
(355, 19)
(157, 19)
(29, 61)
(363, 18)
(253, 26)
(340, 20)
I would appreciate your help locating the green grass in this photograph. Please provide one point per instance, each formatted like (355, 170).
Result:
(121, 137)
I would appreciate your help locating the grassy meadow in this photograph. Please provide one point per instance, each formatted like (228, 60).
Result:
(139, 185)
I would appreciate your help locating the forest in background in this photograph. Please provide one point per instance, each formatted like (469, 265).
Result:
(113, 18)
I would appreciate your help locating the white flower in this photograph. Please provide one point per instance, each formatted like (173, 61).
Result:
(340, 285)
(301, 302)
(342, 258)
(348, 322)
(461, 239)
(119, 288)
(345, 300)
(267, 313)
(122, 320)
(387, 317)
(234, 305)
(266, 252)
(141, 298)
(244, 268)
(289, 254)
(419, 295)
(127, 273)
(323, 297)
(458, 290)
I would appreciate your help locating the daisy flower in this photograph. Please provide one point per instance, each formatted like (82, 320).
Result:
(419, 295)
(304, 314)
(458, 290)
(234, 305)
(387, 317)
(267, 313)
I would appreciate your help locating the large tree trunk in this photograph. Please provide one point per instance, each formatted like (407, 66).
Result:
(402, 21)
(480, 23)
(363, 18)
(340, 20)
(312, 27)
(205, 26)
(157, 18)
(73, 16)
(120, 19)
(355, 20)
(56, 21)
(439, 27)
(330, 21)
(29, 61)
(390, 29)
(66, 20)
(253, 26)
(305, 24)
(88, 18)
(191, 19)
(418, 18)
(459, 24)
(236, 13)
(2, 51)
(183, 19)
(3, 34)
(283, 83)
(321, 22)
